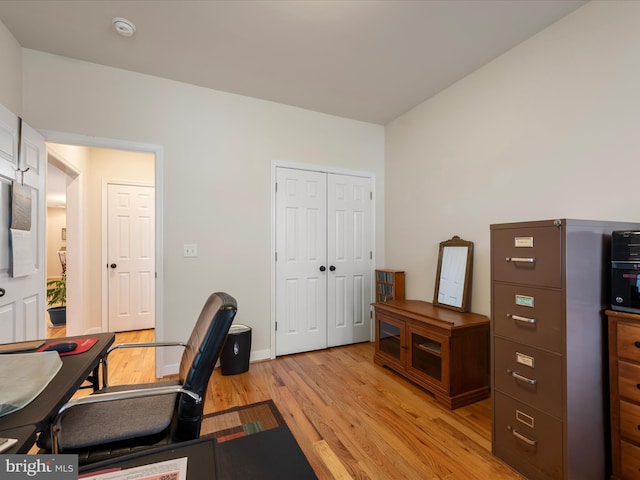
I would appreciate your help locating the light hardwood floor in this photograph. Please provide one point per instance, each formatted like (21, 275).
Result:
(352, 419)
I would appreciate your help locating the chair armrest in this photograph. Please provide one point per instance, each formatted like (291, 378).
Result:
(145, 344)
(105, 365)
(114, 396)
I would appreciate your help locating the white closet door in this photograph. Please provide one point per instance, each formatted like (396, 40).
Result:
(323, 265)
(301, 286)
(23, 299)
(349, 258)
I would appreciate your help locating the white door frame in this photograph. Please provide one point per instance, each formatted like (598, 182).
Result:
(157, 150)
(316, 168)
(75, 282)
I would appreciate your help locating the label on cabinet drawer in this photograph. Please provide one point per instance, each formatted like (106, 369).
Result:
(524, 418)
(524, 301)
(523, 359)
(523, 242)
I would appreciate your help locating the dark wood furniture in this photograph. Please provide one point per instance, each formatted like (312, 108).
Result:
(389, 285)
(624, 378)
(75, 370)
(442, 350)
(548, 289)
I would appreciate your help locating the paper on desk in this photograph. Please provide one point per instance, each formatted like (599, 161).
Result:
(175, 469)
(23, 376)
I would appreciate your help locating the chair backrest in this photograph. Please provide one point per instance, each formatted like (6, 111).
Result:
(199, 359)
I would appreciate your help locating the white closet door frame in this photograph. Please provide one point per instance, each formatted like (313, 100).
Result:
(317, 168)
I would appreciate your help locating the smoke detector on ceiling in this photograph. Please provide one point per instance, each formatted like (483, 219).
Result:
(124, 27)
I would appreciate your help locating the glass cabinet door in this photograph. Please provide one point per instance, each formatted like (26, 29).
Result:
(389, 339)
(428, 355)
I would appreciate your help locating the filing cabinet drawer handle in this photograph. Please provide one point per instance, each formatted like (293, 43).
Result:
(526, 440)
(522, 378)
(521, 259)
(531, 321)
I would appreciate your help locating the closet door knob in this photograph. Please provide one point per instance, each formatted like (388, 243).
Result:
(322, 268)
(332, 268)
(2, 292)
(113, 265)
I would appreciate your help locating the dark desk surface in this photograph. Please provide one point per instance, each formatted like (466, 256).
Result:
(270, 455)
(26, 437)
(201, 463)
(75, 370)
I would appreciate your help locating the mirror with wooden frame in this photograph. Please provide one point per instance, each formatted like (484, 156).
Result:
(453, 278)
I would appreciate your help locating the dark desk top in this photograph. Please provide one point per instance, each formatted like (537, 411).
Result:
(75, 370)
(26, 437)
(201, 463)
(270, 455)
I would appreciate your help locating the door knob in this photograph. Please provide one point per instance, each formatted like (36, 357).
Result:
(113, 265)
(332, 268)
(322, 268)
(2, 292)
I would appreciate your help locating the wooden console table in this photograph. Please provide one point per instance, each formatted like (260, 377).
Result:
(442, 350)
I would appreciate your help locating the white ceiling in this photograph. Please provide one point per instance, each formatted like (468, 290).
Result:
(369, 60)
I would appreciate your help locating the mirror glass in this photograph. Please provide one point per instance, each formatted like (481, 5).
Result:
(453, 278)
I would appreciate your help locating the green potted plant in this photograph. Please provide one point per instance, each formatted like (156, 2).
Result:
(57, 300)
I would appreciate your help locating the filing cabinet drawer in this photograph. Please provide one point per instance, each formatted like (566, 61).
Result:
(630, 459)
(628, 335)
(630, 421)
(628, 381)
(531, 256)
(528, 435)
(529, 375)
(529, 315)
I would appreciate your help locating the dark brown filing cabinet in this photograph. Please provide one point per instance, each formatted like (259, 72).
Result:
(389, 285)
(549, 292)
(624, 381)
(442, 350)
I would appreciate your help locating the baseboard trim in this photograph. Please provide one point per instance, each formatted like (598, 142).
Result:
(256, 356)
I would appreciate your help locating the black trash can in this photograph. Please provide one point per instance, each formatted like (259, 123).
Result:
(236, 350)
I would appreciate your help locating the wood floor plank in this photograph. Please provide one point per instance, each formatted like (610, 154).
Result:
(352, 419)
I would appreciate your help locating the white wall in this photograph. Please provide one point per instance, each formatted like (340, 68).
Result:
(217, 151)
(11, 77)
(551, 129)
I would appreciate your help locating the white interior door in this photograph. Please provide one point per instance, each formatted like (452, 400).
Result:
(131, 254)
(323, 264)
(349, 254)
(22, 298)
(301, 286)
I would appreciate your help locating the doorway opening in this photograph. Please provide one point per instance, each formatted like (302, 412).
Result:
(86, 166)
(58, 176)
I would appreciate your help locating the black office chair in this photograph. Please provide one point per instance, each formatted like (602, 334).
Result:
(119, 420)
